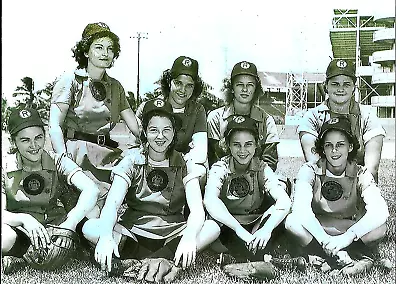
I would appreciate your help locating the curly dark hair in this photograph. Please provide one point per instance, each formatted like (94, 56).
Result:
(145, 123)
(229, 94)
(319, 145)
(83, 46)
(165, 82)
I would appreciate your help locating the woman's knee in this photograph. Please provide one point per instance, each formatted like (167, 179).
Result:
(8, 238)
(91, 229)
(293, 224)
(208, 234)
(375, 235)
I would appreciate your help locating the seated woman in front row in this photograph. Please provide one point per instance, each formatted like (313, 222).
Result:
(338, 211)
(40, 189)
(153, 225)
(243, 195)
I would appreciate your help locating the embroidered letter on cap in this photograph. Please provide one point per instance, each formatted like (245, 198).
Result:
(333, 120)
(187, 62)
(245, 65)
(341, 64)
(24, 113)
(238, 119)
(159, 103)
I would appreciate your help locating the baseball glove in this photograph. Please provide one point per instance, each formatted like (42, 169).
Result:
(59, 252)
(153, 270)
(258, 269)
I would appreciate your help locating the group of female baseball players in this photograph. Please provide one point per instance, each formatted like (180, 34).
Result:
(192, 180)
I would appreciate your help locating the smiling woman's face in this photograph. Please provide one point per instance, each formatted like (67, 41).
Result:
(242, 145)
(182, 88)
(336, 148)
(244, 87)
(160, 133)
(30, 142)
(340, 89)
(101, 53)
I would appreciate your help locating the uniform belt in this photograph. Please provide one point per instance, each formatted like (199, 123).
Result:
(100, 139)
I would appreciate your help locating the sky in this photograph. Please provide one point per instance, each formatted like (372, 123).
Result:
(287, 36)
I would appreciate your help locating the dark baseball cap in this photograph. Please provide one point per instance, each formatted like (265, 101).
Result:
(244, 68)
(22, 118)
(340, 123)
(160, 105)
(341, 67)
(239, 122)
(185, 65)
(97, 28)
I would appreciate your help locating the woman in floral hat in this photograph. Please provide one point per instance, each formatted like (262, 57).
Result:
(87, 103)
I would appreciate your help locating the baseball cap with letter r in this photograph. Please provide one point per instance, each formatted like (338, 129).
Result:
(341, 67)
(244, 68)
(185, 65)
(22, 118)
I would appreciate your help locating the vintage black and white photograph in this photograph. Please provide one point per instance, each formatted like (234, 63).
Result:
(198, 142)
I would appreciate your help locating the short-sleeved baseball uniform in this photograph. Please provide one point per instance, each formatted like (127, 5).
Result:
(43, 194)
(354, 196)
(89, 114)
(246, 196)
(365, 124)
(217, 121)
(156, 196)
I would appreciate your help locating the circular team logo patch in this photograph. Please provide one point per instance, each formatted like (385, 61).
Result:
(332, 190)
(245, 65)
(157, 180)
(238, 119)
(341, 64)
(239, 187)
(187, 62)
(333, 120)
(98, 90)
(33, 184)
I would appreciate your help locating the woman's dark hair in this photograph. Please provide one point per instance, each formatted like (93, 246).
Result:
(13, 148)
(319, 145)
(229, 93)
(145, 123)
(83, 46)
(165, 82)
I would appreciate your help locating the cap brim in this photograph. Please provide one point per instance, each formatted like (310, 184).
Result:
(240, 128)
(340, 73)
(24, 125)
(178, 120)
(244, 73)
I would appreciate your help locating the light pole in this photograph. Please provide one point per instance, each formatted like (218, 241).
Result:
(139, 36)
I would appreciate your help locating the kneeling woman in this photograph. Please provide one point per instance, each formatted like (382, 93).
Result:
(34, 182)
(153, 225)
(338, 211)
(243, 195)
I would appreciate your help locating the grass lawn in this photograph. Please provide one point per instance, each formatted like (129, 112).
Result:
(206, 270)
